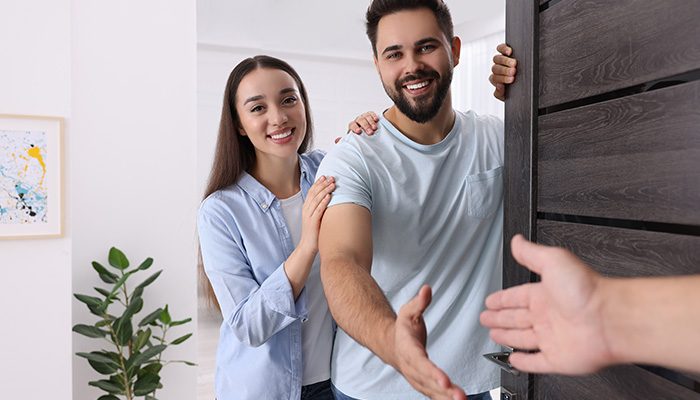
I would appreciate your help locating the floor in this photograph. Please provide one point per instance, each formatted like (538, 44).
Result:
(208, 332)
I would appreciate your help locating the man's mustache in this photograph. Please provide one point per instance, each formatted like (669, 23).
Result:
(430, 74)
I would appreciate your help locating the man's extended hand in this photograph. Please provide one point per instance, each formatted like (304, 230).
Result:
(559, 316)
(411, 357)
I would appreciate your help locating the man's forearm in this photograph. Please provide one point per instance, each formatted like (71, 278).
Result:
(359, 306)
(654, 320)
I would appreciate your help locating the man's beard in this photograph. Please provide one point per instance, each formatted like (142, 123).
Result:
(425, 107)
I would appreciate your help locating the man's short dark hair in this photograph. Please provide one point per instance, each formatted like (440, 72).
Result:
(381, 8)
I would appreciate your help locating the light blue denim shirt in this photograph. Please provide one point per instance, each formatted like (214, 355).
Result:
(245, 241)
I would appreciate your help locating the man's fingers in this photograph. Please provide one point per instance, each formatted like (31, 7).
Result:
(504, 49)
(417, 305)
(503, 60)
(530, 362)
(528, 254)
(515, 297)
(510, 318)
(524, 339)
(504, 72)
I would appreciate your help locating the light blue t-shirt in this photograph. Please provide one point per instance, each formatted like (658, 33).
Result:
(437, 218)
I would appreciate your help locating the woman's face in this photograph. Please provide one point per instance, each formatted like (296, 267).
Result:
(271, 112)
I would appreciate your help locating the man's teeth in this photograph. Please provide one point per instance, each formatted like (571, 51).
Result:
(418, 85)
(281, 135)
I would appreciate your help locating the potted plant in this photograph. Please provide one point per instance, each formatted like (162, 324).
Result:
(133, 362)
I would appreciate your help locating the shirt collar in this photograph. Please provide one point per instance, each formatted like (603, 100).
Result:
(262, 196)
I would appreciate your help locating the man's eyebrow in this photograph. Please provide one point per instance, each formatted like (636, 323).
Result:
(392, 48)
(426, 41)
(254, 98)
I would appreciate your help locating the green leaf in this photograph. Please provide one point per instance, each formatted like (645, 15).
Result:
(108, 386)
(134, 307)
(141, 358)
(117, 259)
(146, 264)
(119, 283)
(190, 363)
(164, 316)
(146, 384)
(153, 368)
(89, 331)
(138, 292)
(98, 310)
(181, 339)
(123, 329)
(103, 292)
(108, 397)
(105, 275)
(102, 323)
(181, 322)
(151, 397)
(89, 300)
(141, 339)
(150, 318)
(98, 357)
(149, 280)
(103, 368)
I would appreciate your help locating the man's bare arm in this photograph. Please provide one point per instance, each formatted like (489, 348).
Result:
(363, 312)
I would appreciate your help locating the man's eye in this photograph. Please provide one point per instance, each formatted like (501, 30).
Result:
(427, 48)
(396, 55)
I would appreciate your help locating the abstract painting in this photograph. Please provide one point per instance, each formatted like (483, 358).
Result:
(30, 176)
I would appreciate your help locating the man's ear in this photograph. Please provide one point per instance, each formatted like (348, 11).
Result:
(456, 49)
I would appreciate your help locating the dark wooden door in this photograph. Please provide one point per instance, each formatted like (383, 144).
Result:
(603, 157)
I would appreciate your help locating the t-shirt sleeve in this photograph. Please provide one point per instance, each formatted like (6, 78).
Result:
(352, 180)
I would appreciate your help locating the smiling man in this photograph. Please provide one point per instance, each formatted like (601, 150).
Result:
(418, 203)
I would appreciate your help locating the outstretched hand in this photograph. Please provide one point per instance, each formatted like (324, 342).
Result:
(503, 70)
(411, 356)
(559, 316)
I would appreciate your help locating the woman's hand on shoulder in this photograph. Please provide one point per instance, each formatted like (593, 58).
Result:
(365, 122)
(317, 199)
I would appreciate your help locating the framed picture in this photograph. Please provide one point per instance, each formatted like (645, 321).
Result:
(30, 176)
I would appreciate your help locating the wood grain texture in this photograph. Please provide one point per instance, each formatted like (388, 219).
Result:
(636, 157)
(621, 382)
(624, 252)
(589, 47)
(519, 152)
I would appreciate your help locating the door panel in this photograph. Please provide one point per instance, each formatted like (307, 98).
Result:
(589, 47)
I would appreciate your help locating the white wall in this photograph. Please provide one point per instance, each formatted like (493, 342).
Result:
(123, 75)
(134, 149)
(35, 336)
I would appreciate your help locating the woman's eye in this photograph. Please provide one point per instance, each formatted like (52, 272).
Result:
(289, 100)
(257, 108)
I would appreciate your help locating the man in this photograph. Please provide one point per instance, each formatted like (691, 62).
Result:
(419, 202)
(581, 322)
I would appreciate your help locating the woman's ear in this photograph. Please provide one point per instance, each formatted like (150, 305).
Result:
(242, 131)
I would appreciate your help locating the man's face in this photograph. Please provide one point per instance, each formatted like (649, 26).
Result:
(415, 62)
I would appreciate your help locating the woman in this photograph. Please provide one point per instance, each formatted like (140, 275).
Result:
(258, 230)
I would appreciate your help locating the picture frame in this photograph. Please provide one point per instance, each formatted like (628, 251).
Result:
(31, 176)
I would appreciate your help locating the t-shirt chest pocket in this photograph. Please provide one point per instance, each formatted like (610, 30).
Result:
(485, 192)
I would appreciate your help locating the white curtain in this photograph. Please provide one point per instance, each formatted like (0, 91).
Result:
(471, 89)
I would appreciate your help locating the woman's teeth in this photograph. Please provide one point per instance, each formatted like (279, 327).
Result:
(281, 135)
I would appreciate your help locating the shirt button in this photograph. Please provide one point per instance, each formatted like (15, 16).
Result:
(303, 320)
(264, 206)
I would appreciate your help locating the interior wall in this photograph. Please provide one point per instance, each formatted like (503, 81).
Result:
(134, 162)
(35, 339)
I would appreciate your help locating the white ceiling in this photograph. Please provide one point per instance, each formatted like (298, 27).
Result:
(324, 27)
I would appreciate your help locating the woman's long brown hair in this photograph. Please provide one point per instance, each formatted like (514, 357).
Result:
(234, 152)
